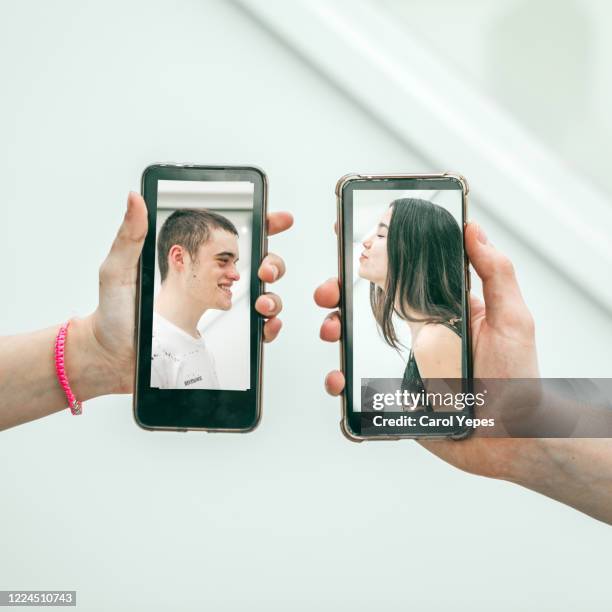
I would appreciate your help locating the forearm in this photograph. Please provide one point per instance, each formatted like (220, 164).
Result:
(29, 388)
(576, 472)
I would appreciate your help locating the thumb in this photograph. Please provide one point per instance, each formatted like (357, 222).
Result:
(501, 291)
(127, 245)
(123, 257)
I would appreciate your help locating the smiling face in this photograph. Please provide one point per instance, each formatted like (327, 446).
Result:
(373, 262)
(210, 276)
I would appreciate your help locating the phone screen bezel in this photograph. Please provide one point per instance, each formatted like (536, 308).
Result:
(198, 409)
(351, 421)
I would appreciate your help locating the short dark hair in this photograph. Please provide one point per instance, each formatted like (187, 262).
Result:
(425, 267)
(189, 228)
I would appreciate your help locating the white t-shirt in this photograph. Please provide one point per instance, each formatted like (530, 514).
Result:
(178, 360)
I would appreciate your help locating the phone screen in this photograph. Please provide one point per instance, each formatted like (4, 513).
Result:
(406, 330)
(199, 358)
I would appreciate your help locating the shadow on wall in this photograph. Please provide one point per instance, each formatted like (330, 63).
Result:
(540, 65)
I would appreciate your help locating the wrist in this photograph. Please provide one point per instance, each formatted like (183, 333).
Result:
(540, 464)
(574, 471)
(520, 461)
(90, 369)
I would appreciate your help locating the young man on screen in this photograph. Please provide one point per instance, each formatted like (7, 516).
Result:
(197, 251)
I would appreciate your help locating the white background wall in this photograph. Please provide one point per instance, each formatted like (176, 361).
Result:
(547, 62)
(291, 516)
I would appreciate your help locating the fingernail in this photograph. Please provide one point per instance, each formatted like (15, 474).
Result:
(326, 383)
(482, 237)
(269, 304)
(274, 272)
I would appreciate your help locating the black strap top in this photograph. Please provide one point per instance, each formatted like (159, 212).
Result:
(412, 381)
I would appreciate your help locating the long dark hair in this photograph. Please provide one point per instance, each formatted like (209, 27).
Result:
(425, 267)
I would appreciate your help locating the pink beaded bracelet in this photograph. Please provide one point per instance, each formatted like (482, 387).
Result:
(60, 344)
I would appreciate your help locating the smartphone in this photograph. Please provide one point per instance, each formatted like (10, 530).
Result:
(404, 280)
(199, 338)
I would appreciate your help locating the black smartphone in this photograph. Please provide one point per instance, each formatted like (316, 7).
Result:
(404, 276)
(199, 338)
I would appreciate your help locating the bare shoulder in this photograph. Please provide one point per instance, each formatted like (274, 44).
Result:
(437, 351)
(436, 335)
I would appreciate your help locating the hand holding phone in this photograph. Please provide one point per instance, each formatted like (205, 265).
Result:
(199, 359)
(503, 343)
